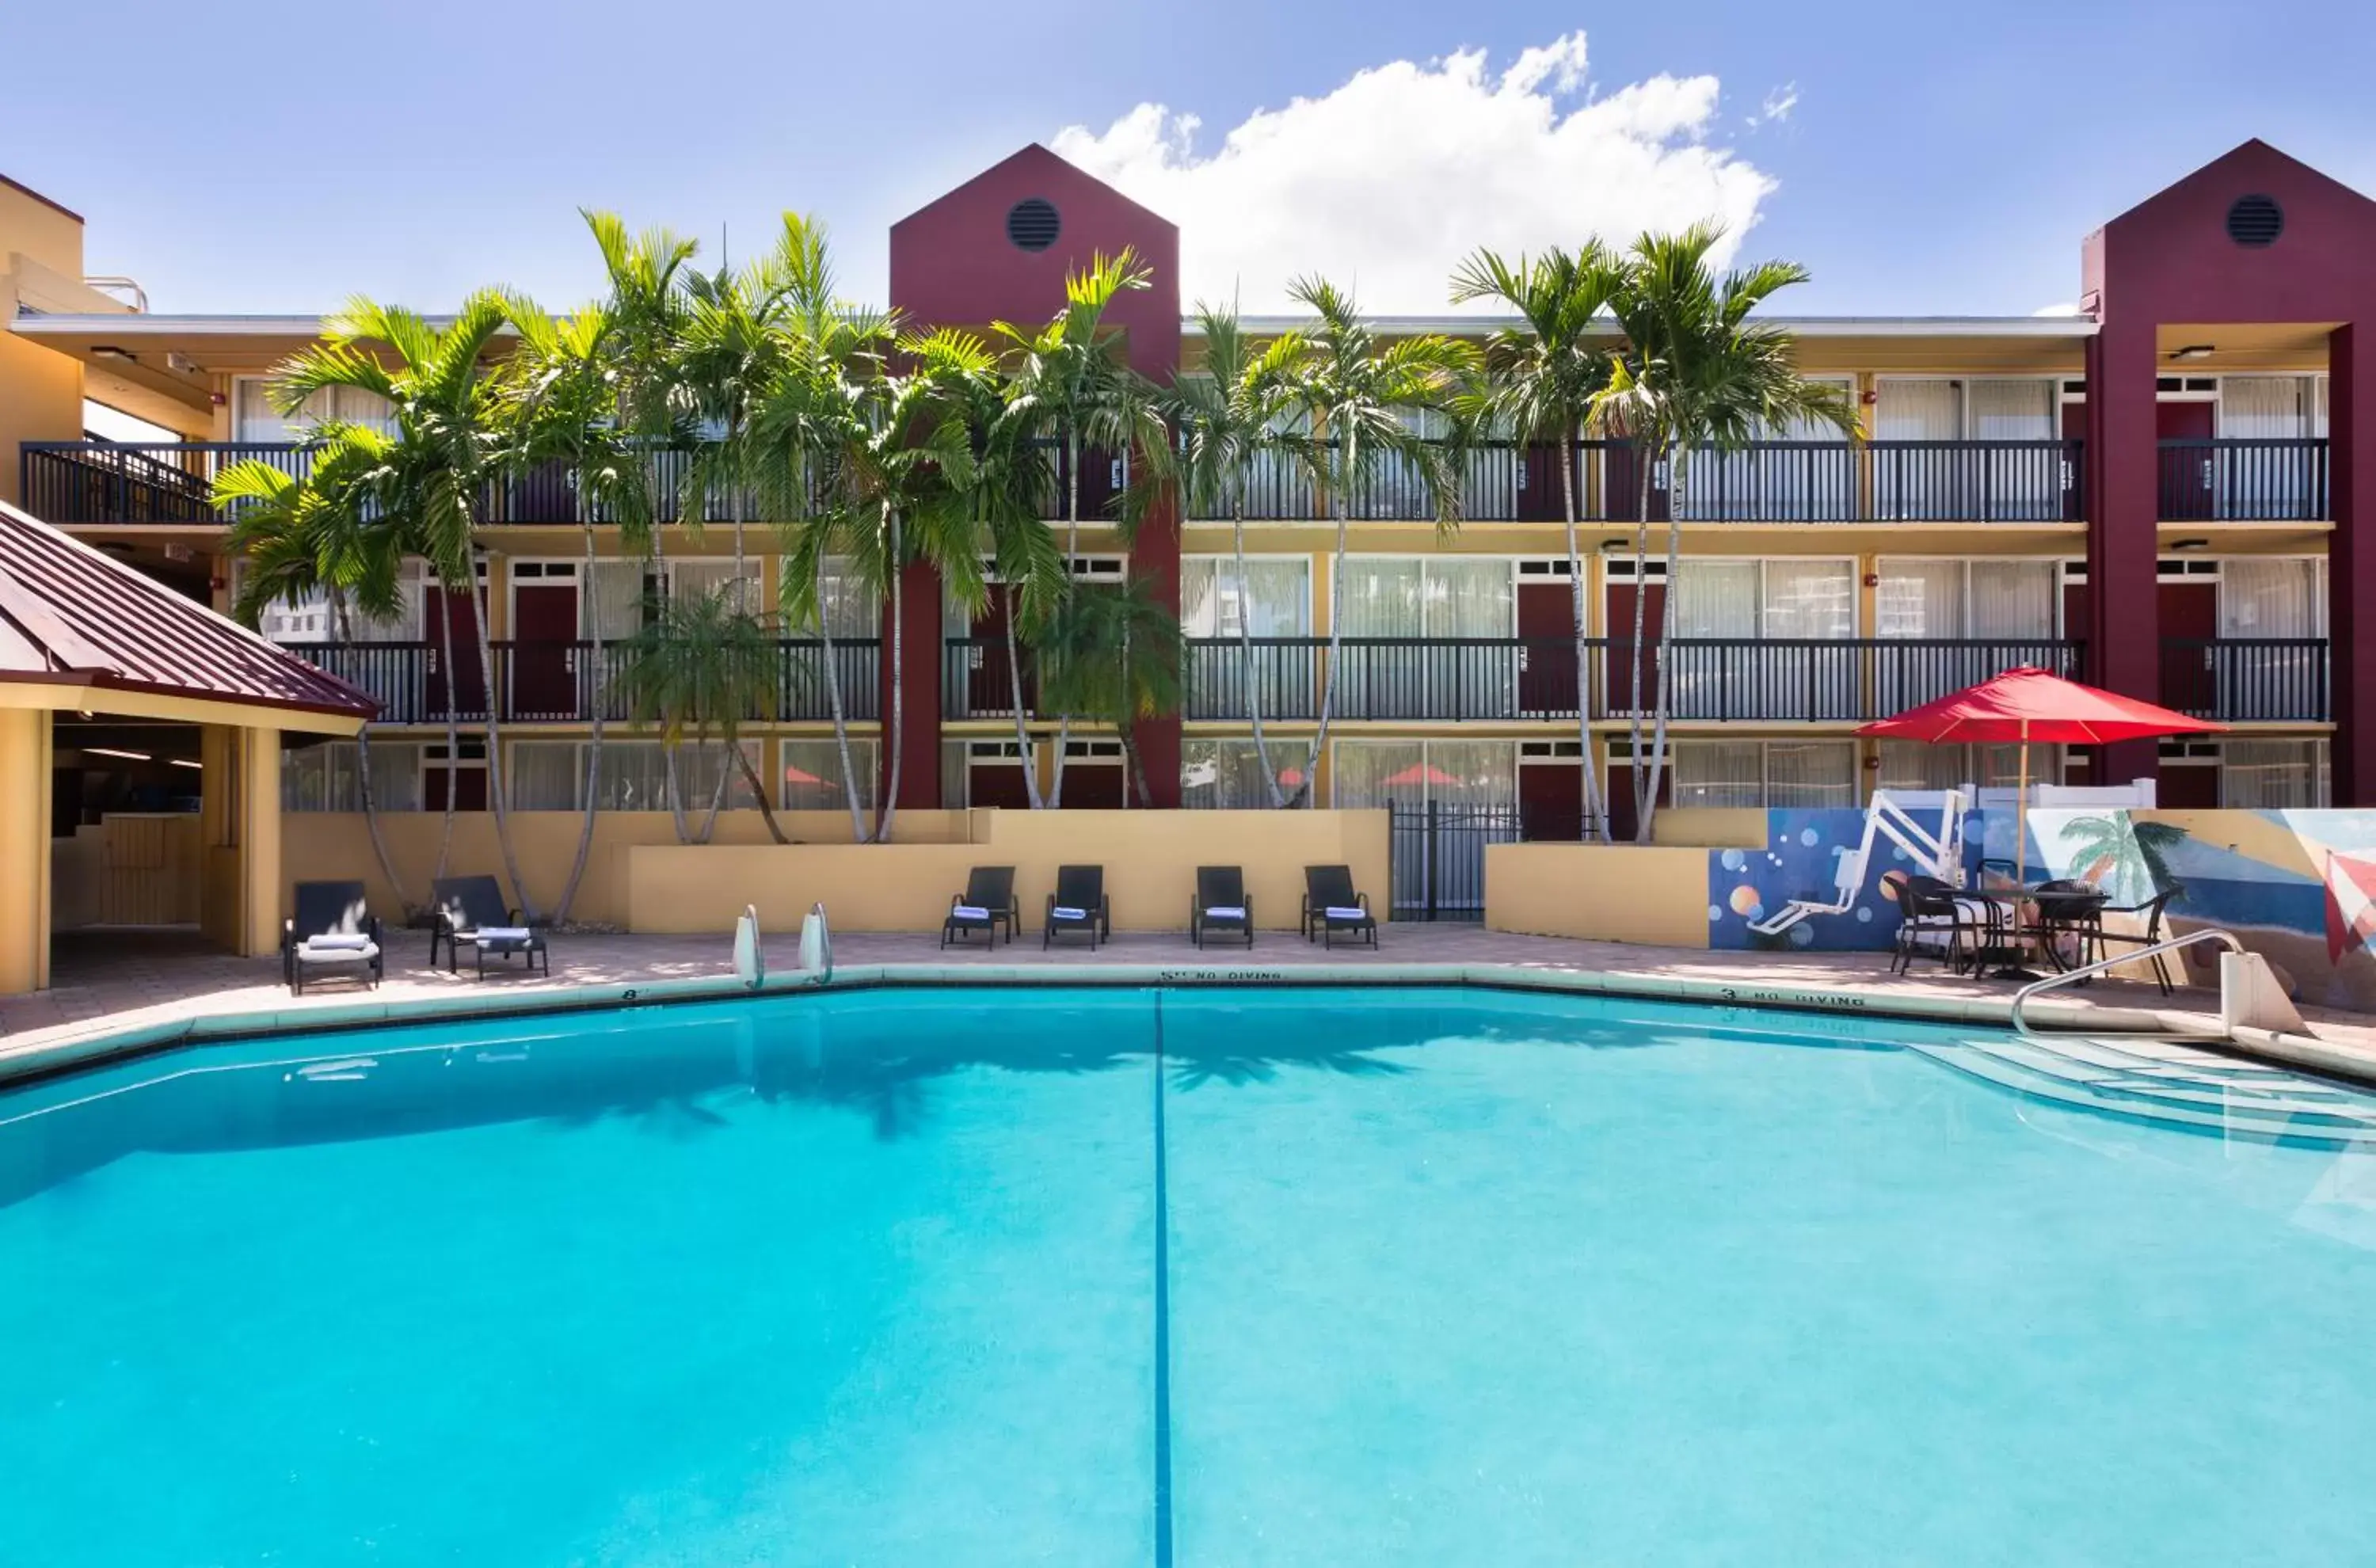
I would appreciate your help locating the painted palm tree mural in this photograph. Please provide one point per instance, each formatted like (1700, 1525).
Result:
(2128, 859)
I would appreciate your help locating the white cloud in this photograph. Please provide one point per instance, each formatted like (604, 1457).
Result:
(1385, 183)
(1778, 105)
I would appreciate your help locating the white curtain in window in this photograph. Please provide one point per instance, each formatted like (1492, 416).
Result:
(1470, 598)
(1227, 775)
(1713, 598)
(1910, 409)
(813, 775)
(2265, 482)
(2282, 597)
(1272, 601)
(1718, 772)
(2018, 485)
(2004, 408)
(2263, 407)
(1919, 598)
(1808, 598)
(697, 576)
(634, 775)
(1913, 765)
(256, 419)
(2272, 774)
(1810, 773)
(1384, 598)
(325, 778)
(1472, 773)
(617, 612)
(2013, 599)
(548, 776)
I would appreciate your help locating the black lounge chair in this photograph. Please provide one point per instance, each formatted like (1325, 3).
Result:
(470, 912)
(332, 933)
(1220, 905)
(987, 904)
(1079, 904)
(1331, 905)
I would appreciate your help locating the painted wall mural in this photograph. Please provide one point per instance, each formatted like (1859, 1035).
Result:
(2297, 887)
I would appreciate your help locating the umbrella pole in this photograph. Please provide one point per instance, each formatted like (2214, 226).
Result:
(2021, 814)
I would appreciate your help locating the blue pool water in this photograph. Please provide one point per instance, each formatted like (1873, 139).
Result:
(1228, 1278)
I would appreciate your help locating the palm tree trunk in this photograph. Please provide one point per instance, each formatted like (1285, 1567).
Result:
(718, 795)
(1666, 641)
(668, 753)
(344, 627)
(497, 795)
(1646, 456)
(1022, 731)
(598, 684)
(888, 807)
(1128, 736)
(453, 722)
(1341, 502)
(1592, 809)
(1246, 651)
(759, 793)
(1072, 552)
(840, 720)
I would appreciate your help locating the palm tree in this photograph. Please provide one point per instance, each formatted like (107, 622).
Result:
(564, 408)
(441, 458)
(1231, 423)
(730, 345)
(1356, 393)
(700, 669)
(309, 538)
(1115, 658)
(1541, 379)
(1068, 386)
(1694, 371)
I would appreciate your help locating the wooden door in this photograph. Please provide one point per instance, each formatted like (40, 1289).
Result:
(1618, 676)
(2185, 431)
(468, 678)
(544, 657)
(2189, 613)
(989, 686)
(1546, 686)
(998, 781)
(2188, 785)
(468, 782)
(2074, 428)
(1550, 799)
(1093, 785)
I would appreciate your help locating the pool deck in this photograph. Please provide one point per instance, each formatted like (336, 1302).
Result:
(141, 980)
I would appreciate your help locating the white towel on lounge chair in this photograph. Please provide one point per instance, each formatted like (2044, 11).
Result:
(969, 912)
(487, 934)
(338, 942)
(1225, 912)
(1066, 913)
(1346, 913)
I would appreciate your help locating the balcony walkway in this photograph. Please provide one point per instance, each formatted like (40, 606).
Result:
(116, 980)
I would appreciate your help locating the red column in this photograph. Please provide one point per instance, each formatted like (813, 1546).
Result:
(2123, 508)
(919, 716)
(1155, 558)
(2352, 560)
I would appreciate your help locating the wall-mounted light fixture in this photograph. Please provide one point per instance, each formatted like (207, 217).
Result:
(2190, 544)
(111, 751)
(2192, 352)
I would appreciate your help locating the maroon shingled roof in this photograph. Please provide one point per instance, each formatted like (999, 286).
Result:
(72, 615)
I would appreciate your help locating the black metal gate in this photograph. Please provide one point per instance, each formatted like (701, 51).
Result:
(1437, 855)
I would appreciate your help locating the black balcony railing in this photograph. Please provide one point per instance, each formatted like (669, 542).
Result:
(2270, 481)
(562, 681)
(2244, 680)
(976, 681)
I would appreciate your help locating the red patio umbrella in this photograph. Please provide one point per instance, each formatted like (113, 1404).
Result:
(2029, 703)
(1421, 773)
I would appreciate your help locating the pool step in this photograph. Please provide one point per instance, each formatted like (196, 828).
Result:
(2173, 1084)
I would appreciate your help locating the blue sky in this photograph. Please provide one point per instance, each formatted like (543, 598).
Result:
(1930, 157)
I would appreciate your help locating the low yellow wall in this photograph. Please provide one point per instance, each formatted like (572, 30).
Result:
(1645, 893)
(334, 846)
(1150, 859)
(1710, 827)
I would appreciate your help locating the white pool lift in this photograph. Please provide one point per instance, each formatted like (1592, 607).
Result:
(1894, 814)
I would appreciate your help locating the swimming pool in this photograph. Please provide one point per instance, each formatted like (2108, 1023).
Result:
(1203, 1277)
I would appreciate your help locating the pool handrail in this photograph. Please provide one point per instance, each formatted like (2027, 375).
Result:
(2088, 971)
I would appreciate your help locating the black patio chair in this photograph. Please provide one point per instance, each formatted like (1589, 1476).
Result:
(1930, 915)
(987, 904)
(1079, 905)
(2066, 909)
(1220, 905)
(1332, 906)
(332, 933)
(2153, 935)
(469, 911)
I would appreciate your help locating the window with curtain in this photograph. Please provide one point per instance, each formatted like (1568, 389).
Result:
(1810, 773)
(2008, 603)
(2019, 484)
(813, 774)
(691, 577)
(1911, 765)
(1770, 604)
(1765, 773)
(1718, 772)
(256, 419)
(2273, 774)
(2272, 599)
(1273, 600)
(327, 778)
(1814, 482)
(633, 776)
(1430, 600)
(2267, 482)
(547, 776)
(1227, 775)
(1913, 483)
(1413, 773)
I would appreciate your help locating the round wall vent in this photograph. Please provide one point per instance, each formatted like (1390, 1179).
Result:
(1032, 224)
(2256, 220)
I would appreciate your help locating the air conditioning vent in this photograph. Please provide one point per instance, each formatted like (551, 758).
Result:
(2256, 220)
(1032, 224)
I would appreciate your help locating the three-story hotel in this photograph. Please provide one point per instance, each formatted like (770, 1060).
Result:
(2162, 494)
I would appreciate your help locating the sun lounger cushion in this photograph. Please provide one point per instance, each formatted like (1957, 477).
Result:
(486, 934)
(338, 942)
(969, 912)
(1226, 912)
(1066, 913)
(1345, 912)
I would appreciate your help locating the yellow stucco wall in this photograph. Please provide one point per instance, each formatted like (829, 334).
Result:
(1644, 893)
(1150, 859)
(24, 851)
(1710, 827)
